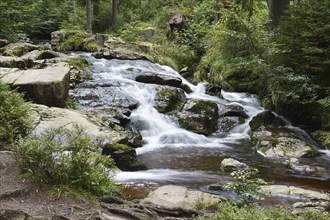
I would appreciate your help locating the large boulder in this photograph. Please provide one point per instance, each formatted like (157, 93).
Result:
(160, 79)
(172, 196)
(266, 118)
(169, 99)
(199, 116)
(48, 86)
(15, 62)
(19, 49)
(230, 164)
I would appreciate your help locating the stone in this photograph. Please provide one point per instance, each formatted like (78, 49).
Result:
(13, 215)
(283, 190)
(48, 86)
(230, 164)
(101, 38)
(58, 37)
(177, 21)
(214, 90)
(232, 111)
(172, 196)
(15, 62)
(199, 116)
(46, 118)
(300, 207)
(160, 79)
(169, 99)
(148, 34)
(266, 118)
(19, 49)
(227, 123)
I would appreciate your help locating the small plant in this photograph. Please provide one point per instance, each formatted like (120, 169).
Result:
(245, 185)
(61, 157)
(71, 103)
(14, 114)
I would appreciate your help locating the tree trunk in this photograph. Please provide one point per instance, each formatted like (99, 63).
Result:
(89, 16)
(115, 15)
(276, 10)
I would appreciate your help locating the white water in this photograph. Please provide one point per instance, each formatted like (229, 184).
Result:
(161, 133)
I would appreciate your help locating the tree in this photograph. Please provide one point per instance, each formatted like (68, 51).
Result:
(89, 16)
(276, 10)
(115, 4)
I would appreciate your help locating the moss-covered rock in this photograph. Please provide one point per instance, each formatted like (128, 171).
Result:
(124, 157)
(323, 137)
(266, 118)
(66, 40)
(169, 99)
(19, 49)
(199, 116)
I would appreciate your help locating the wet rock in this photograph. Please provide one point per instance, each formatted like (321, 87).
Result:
(169, 99)
(232, 111)
(172, 196)
(124, 157)
(300, 207)
(266, 118)
(214, 90)
(121, 54)
(48, 86)
(160, 79)
(199, 116)
(283, 190)
(230, 164)
(227, 123)
(110, 115)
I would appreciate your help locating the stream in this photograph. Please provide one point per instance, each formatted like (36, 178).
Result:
(176, 156)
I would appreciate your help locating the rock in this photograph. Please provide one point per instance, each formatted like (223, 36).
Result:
(214, 90)
(124, 157)
(58, 37)
(172, 196)
(19, 49)
(230, 164)
(283, 190)
(160, 79)
(266, 118)
(148, 34)
(300, 207)
(121, 54)
(199, 116)
(286, 147)
(101, 38)
(232, 111)
(177, 22)
(3, 43)
(227, 123)
(46, 118)
(48, 86)
(13, 215)
(169, 99)
(15, 62)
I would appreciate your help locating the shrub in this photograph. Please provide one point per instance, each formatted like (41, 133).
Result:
(229, 210)
(62, 157)
(14, 114)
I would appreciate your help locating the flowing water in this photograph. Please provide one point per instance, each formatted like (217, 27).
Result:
(177, 156)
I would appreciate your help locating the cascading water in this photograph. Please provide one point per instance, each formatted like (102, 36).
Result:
(172, 154)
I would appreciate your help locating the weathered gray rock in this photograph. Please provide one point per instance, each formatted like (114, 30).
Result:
(48, 86)
(15, 62)
(148, 34)
(199, 116)
(58, 37)
(160, 79)
(214, 90)
(300, 207)
(230, 164)
(232, 111)
(169, 99)
(283, 190)
(19, 49)
(227, 123)
(178, 21)
(172, 196)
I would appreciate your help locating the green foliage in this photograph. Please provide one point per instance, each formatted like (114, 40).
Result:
(230, 211)
(63, 157)
(303, 39)
(78, 63)
(14, 114)
(245, 185)
(78, 41)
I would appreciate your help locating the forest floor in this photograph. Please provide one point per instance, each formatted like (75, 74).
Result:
(21, 199)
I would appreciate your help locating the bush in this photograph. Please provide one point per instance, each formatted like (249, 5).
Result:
(229, 210)
(62, 157)
(14, 114)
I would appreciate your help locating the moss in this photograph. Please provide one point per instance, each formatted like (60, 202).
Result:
(204, 107)
(78, 41)
(122, 147)
(78, 63)
(168, 100)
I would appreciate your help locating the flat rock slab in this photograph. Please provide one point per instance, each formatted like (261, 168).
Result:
(46, 118)
(172, 196)
(48, 86)
(283, 190)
